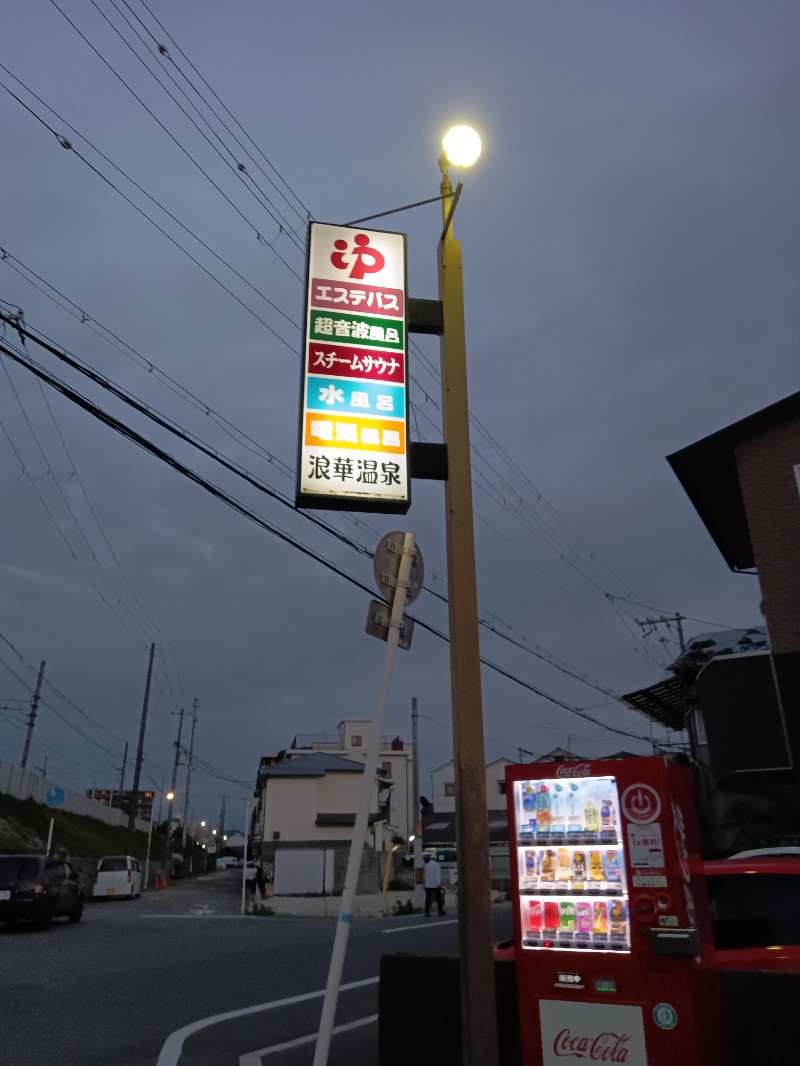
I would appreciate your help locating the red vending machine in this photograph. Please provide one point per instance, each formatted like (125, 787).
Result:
(614, 958)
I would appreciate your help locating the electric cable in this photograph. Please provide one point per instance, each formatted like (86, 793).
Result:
(246, 512)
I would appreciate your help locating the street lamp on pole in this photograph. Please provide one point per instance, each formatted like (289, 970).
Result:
(461, 147)
(169, 796)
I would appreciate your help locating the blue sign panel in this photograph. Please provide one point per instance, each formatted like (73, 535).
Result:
(376, 399)
(55, 797)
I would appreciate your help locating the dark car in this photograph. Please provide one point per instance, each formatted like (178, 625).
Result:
(39, 888)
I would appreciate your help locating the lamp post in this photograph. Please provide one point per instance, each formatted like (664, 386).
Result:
(461, 147)
(170, 796)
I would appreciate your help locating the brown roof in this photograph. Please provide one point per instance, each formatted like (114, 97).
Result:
(707, 471)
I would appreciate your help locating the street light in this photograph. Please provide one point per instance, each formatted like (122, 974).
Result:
(461, 147)
(170, 796)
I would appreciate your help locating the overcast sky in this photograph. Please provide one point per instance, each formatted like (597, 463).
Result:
(630, 262)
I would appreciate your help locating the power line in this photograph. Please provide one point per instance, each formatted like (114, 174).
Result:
(166, 54)
(531, 647)
(230, 501)
(67, 144)
(175, 141)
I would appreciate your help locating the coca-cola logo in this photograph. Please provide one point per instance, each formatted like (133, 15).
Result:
(605, 1047)
(580, 769)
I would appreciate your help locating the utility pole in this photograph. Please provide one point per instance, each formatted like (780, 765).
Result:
(124, 764)
(195, 704)
(221, 827)
(419, 865)
(175, 768)
(32, 716)
(137, 770)
(651, 623)
(43, 769)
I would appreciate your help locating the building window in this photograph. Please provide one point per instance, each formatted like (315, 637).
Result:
(450, 788)
(386, 769)
(355, 740)
(501, 787)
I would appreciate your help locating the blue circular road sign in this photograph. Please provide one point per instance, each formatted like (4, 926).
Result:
(55, 798)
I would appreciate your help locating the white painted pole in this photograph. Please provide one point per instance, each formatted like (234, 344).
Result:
(362, 815)
(147, 860)
(244, 861)
(248, 807)
(50, 834)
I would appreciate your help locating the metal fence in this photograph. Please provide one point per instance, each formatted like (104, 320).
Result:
(25, 784)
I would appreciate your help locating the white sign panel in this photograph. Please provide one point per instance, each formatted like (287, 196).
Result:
(591, 1032)
(353, 452)
(646, 847)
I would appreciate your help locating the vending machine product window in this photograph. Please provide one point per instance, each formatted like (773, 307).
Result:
(573, 892)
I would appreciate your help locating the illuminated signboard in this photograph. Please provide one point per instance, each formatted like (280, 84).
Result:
(353, 452)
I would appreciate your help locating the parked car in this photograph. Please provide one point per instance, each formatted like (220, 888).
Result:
(767, 853)
(39, 888)
(755, 913)
(118, 876)
(226, 861)
(251, 871)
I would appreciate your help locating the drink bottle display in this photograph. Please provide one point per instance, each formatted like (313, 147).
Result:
(591, 817)
(558, 820)
(569, 880)
(579, 865)
(549, 865)
(564, 865)
(574, 818)
(611, 865)
(568, 917)
(552, 917)
(543, 813)
(596, 871)
(583, 918)
(618, 918)
(535, 916)
(531, 865)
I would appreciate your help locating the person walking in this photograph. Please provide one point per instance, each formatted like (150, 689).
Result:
(433, 887)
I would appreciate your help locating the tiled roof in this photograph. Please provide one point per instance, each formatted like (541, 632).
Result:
(316, 764)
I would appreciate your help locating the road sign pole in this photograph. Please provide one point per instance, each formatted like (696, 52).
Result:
(50, 832)
(362, 815)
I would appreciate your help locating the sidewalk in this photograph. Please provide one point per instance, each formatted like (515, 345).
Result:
(329, 906)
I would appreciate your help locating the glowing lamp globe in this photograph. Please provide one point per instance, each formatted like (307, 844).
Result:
(462, 146)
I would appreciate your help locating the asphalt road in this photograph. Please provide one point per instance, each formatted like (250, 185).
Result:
(117, 989)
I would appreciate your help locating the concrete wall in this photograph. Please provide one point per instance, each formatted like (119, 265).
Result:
(312, 871)
(24, 784)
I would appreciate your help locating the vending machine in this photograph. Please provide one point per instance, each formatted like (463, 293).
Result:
(612, 933)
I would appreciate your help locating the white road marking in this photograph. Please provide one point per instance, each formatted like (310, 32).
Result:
(425, 925)
(173, 1047)
(253, 1058)
(200, 914)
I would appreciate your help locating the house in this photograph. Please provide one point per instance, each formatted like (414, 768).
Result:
(444, 789)
(395, 765)
(744, 482)
(312, 799)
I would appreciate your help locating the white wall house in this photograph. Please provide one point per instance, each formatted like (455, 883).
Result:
(311, 799)
(395, 764)
(444, 790)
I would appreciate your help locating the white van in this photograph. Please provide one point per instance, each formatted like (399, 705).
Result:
(118, 875)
